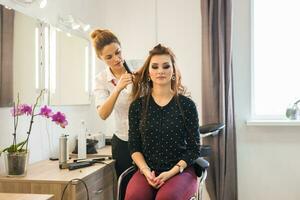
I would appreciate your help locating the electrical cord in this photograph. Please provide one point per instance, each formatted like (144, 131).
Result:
(76, 179)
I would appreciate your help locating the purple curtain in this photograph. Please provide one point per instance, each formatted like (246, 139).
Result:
(217, 97)
(6, 56)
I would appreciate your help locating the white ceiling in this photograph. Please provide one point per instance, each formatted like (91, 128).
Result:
(88, 11)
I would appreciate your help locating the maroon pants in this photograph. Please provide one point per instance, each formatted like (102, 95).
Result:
(180, 187)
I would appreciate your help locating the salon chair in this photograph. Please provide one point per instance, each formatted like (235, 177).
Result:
(200, 164)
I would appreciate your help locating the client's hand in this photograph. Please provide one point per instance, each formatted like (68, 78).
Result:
(150, 176)
(162, 178)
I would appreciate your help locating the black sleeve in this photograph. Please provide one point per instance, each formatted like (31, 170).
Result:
(193, 132)
(134, 134)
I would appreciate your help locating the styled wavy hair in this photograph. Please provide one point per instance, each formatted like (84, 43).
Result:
(142, 86)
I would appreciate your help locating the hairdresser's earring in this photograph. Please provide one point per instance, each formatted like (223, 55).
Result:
(173, 77)
(149, 79)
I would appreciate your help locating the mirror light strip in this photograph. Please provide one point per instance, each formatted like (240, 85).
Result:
(93, 68)
(86, 69)
(37, 55)
(52, 61)
(46, 58)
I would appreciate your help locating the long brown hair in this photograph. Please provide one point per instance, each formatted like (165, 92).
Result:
(143, 85)
(101, 38)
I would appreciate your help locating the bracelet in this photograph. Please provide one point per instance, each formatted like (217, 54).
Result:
(141, 170)
(180, 168)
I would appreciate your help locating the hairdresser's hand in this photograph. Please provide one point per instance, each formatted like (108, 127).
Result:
(136, 74)
(125, 80)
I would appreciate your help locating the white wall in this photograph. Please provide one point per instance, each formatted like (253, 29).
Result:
(179, 27)
(268, 164)
(134, 23)
(142, 24)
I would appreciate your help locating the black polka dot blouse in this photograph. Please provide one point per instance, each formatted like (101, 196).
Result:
(164, 139)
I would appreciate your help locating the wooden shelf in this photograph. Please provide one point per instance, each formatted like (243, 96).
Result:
(15, 196)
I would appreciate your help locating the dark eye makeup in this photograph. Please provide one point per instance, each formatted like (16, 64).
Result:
(166, 66)
(118, 52)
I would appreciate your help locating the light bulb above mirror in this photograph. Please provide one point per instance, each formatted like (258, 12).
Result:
(70, 23)
(42, 3)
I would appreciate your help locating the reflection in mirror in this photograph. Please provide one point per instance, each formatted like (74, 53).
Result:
(69, 69)
(25, 58)
(20, 60)
(6, 58)
(42, 57)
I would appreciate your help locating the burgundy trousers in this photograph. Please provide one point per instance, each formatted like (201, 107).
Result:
(180, 187)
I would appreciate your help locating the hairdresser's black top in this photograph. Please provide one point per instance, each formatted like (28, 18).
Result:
(164, 138)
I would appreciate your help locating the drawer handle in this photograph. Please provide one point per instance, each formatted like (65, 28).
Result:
(99, 191)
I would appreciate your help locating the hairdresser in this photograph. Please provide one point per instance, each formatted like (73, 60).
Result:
(112, 93)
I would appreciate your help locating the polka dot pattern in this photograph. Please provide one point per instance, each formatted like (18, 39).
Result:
(164, 140)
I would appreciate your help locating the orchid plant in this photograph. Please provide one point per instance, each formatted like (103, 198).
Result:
(29, 110)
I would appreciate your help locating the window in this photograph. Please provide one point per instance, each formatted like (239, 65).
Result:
(276, 57)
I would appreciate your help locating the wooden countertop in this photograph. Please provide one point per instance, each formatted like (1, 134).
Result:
(19, 196)
(48, 171)
(106, 151)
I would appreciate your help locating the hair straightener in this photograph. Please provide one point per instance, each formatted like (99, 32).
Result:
(126, 67)
(85, 163)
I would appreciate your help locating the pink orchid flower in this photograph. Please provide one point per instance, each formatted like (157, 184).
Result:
(46, 112)
(60, 119)
(21, 110)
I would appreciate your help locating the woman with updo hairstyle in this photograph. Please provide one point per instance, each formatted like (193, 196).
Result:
(112, 93)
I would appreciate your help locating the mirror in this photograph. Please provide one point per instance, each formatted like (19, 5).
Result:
(25, 58)
(69, 69)
(45, 57)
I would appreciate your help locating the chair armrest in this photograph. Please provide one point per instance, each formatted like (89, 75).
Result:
(200, 165)
(201, 162)
(122, 181)
(211, 129)
(128, 171)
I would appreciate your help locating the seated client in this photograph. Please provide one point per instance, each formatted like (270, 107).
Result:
(163, 133)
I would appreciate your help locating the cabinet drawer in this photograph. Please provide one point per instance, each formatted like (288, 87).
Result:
(99, 184)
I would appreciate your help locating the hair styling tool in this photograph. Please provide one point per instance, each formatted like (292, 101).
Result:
(126, 67)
